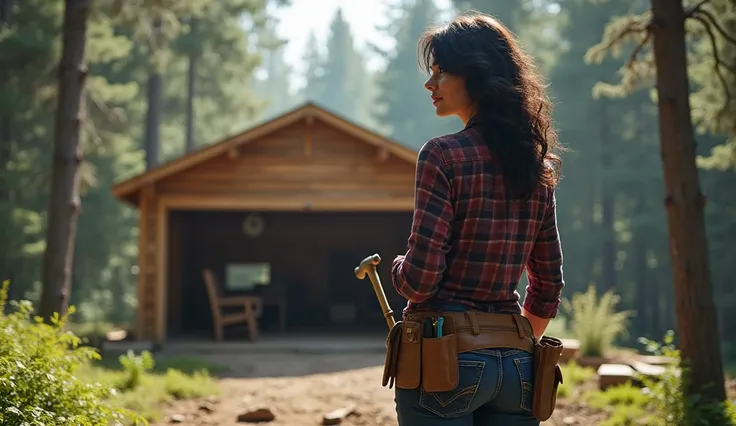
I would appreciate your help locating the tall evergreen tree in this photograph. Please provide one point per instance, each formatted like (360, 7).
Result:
(314, 70)
(404, 105)
(274, 86)
(64, 204)
(343, 67)
(664, 29)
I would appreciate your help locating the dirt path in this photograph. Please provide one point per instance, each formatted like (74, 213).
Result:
(300, 389)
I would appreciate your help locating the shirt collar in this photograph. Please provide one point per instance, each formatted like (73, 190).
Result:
(474, 121)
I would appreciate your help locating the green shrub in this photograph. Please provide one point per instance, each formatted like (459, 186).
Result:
(666, 393)
(661, 401)
(38, 386)
(135, 368)
(576, 374)
(595, 322)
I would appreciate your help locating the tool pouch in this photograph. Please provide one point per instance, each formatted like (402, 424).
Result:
(403, 355)
(547, 376)
(440, 370)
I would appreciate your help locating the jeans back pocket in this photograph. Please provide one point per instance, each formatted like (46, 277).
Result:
(525, 368)
(458, 400)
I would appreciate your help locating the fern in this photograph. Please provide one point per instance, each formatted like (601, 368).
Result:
(595, 322)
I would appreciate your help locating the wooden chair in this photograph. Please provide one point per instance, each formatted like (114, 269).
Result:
(252, 308)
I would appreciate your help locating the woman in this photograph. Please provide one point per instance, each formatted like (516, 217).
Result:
(485, 212)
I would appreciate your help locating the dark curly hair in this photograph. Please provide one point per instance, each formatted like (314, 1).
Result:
(509, 95)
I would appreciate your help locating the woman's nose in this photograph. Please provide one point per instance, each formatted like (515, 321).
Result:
(430, 84)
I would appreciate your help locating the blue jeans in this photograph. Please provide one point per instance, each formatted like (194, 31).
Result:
(495, 389)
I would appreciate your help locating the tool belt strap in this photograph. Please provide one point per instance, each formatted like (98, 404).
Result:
(480, 330)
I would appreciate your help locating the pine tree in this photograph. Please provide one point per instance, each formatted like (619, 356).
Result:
(405, 105)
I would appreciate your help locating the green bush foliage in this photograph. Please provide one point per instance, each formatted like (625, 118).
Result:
(135, 368)
(666, 393)
(661, 402)
(594, 321)
(38, 385)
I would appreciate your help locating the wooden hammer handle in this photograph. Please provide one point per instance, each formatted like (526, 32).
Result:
(368, 267)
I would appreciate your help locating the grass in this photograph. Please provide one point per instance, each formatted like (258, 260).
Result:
(573, 377)
(169, 379)
(626, 405)
(185, 364)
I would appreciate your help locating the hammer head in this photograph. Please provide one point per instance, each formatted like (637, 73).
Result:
(366, 264)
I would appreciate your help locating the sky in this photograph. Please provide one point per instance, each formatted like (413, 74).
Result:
(364, 16)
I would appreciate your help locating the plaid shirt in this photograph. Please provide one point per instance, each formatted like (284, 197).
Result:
(470, 245)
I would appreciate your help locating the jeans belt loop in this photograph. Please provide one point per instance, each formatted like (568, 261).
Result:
(472, 321)
(519, 326)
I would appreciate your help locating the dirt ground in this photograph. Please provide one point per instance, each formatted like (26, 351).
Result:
(301, 388)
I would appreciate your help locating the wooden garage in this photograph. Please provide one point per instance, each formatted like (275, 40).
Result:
(282, 212)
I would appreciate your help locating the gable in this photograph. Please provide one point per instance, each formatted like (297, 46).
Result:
(319, 144)
(284, 164)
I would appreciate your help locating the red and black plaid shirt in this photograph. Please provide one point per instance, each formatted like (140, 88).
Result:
(469, 244)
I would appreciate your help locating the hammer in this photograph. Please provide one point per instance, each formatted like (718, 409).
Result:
(368, 266)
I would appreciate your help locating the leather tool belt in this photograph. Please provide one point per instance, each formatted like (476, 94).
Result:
(415, 359)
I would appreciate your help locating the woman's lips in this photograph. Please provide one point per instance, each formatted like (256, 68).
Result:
(435, 99)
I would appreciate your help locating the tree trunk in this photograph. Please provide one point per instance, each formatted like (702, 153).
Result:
(64, 204)
(153, 114)
(693, 292)
(5, 156)
(153, 118)
(643, 303)
(191, 77)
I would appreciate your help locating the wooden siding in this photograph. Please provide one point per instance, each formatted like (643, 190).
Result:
(301, 162)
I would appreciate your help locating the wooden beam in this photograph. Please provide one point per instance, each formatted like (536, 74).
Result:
(162, 243)
(143, 231)
(288, 203)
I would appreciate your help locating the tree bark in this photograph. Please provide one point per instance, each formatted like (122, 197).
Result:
(64, 203)
(693, 292)
(153, 118)
(153, 114)
(643, 304)
(191, 79)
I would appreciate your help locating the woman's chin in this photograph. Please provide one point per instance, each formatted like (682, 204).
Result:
(441, 113)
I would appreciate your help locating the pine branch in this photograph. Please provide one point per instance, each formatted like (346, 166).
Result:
(616, 34)
(714, 22)
(709, 22)
(635, 53)
(690, 11)
(619, 31)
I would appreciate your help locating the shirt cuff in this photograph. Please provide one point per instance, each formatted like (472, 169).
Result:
(539, 307)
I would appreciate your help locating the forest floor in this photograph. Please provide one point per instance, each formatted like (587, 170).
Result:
(300, 389)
